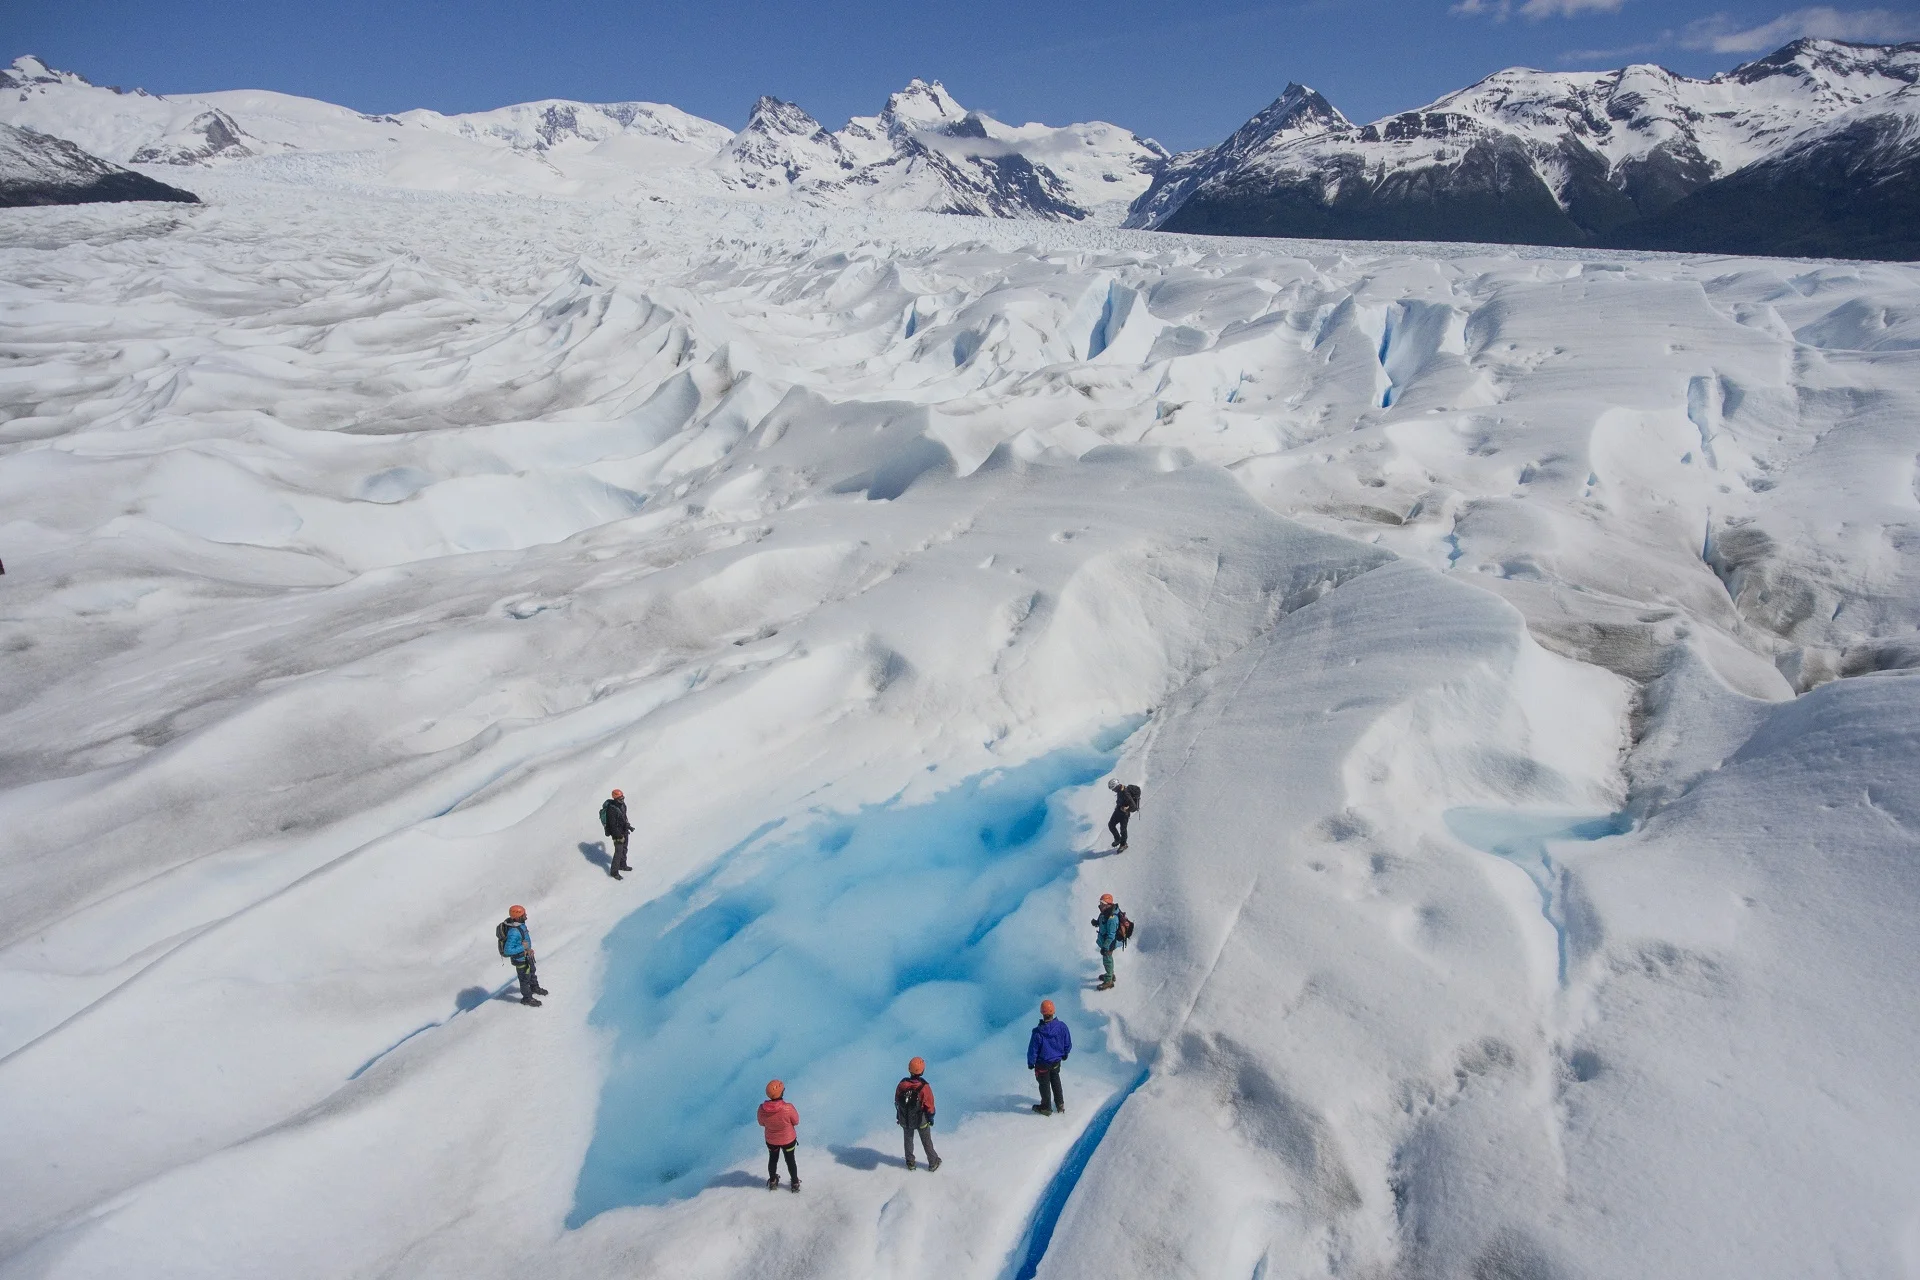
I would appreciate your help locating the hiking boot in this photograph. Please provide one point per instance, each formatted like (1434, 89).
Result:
(1040, 1110)
(911, 1166)
(1106, 984)
(795, 1188)
(530, 1000)
(773, 1183)
(541, 991)
(933, 1165)
(616, 875)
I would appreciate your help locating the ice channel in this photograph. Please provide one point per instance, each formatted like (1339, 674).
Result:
(1524, 838)
(829, 956)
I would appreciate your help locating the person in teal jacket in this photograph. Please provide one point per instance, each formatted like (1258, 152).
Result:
(1107, 936)
(516, 944)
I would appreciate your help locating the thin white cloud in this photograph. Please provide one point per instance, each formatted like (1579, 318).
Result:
(1533, 10)
(1723, 34)
(1612, 57)
(1538, 9)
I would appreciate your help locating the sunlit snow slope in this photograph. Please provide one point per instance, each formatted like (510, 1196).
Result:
(1517, 650)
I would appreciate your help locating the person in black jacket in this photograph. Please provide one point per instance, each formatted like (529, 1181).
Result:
(1126, 803)
(613, 821)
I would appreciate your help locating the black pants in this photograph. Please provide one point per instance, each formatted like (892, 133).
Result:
(1117, 825)
(523, 969)
(620, 854)
(1048, 1074)
(926, 1140)
(773, 1161)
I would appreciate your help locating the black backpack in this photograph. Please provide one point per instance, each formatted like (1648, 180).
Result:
(1133, 796)
(907, 1104)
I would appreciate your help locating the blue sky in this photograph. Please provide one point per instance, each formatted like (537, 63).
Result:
(1186, 73)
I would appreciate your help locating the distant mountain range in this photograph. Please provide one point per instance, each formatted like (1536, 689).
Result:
(922, 151)
(1812, 150)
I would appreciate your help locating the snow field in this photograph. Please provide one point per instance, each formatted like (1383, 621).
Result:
(358, 544)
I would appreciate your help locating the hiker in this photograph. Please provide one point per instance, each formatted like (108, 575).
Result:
(516, 944)
(613, 821)
(779, 1118)
(913, 1110)
(1047, 1048)
(1109, 936)
(1126, 803)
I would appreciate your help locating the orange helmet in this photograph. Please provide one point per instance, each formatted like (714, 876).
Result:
(916, 1066)
(1106, 899)
(776, 1088)
(1046, 1008)
(516, 912)
(618, 794)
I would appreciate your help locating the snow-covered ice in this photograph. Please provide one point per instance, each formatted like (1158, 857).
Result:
(1516, 649)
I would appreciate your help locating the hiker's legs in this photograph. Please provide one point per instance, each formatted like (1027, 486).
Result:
(1106, 960)
(1040, 1075)
(907, 1134)
(523, 970)
(620, 854)
(926, 1141)
(1117, 827)
(793, 1171)
(1052, 1078)
(773, 1162)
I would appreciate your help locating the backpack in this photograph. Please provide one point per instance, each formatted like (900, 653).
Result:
(1125, 935)
(606, 815)
(500, 934)
(907, 1103)
(1132, 791)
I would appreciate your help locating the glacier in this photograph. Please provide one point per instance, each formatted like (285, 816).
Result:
(1516, 647)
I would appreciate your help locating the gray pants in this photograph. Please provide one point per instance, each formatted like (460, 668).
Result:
(926, 1140)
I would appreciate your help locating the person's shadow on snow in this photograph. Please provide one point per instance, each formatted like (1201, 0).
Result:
(865, 1159)
(596, 853)
(737, 1178)
(472, 998)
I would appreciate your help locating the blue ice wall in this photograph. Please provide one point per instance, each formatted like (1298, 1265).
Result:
(829, 957)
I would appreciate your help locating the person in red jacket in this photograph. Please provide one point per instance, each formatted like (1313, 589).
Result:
(779, 1118)
(913, 1109)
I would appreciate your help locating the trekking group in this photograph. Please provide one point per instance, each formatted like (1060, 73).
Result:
(1048, 1046)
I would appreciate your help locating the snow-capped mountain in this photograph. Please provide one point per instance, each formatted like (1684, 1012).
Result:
(926, 151)
(922, 151)
(36, 168)
(1297, 113)
(1526, 156)
(1849, 189)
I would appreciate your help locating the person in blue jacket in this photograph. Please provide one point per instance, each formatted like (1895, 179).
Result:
(1047, 1048)
(516, 944)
